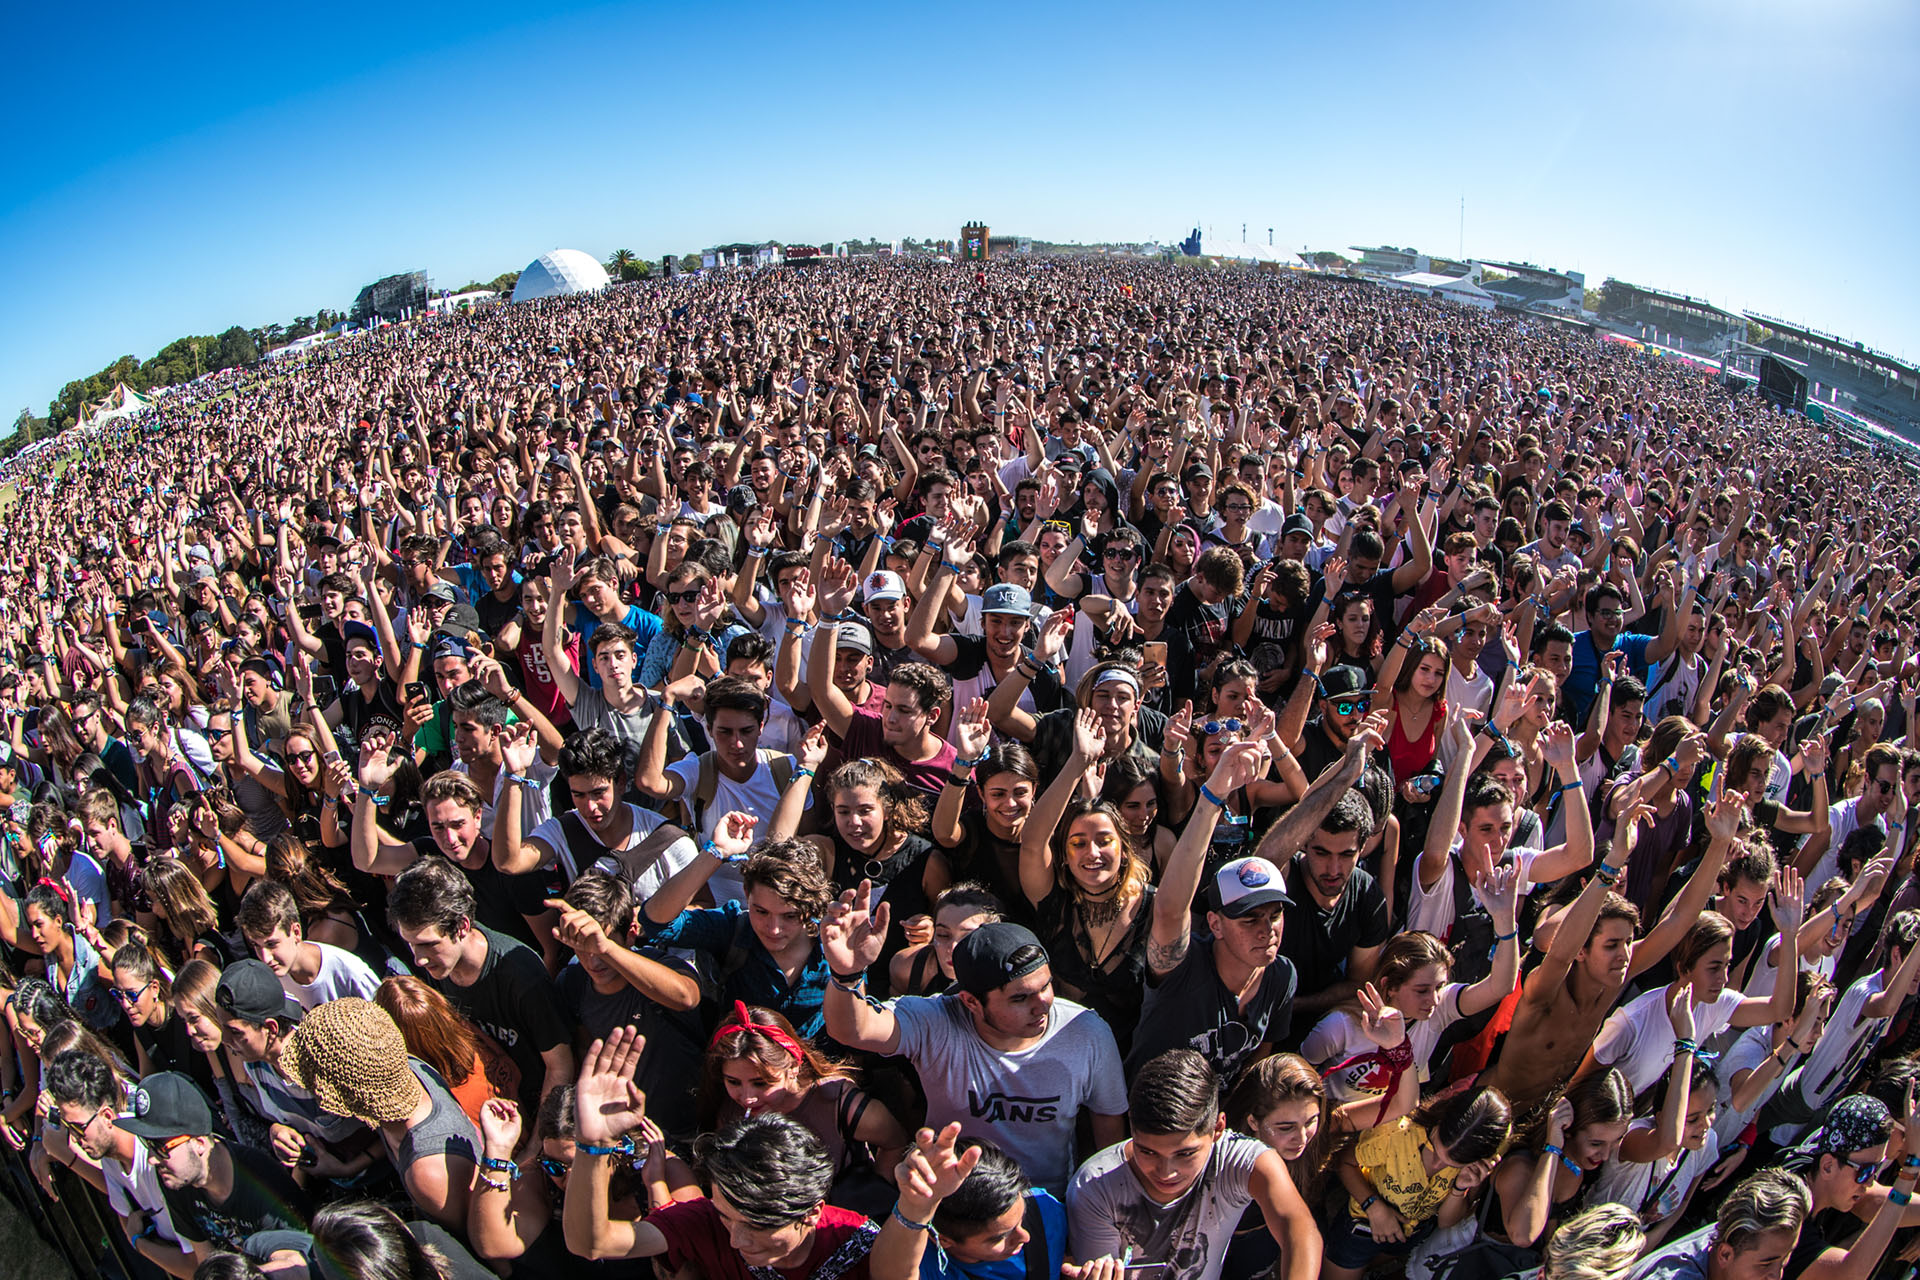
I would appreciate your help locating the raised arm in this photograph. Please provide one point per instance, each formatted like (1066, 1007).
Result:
(851, 939)
(1722, 815)
(832, 702)
(1036, 835)
(552, 639)
(1171, 931)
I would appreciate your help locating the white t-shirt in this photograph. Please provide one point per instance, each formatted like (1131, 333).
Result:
(1844, 819)
(1747, 1053)
(138, 1187)
(1839, 1053)
(535, 807)
(644, 822)
(1338, 1037)
(1630, 1183)
(1433, 911)
(1674, 682)
(342, 973)
(757, 795)
(1638, 1037)
(1023, 1102)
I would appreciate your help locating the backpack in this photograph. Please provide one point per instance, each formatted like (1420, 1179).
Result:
(583, 850)
(696, 800)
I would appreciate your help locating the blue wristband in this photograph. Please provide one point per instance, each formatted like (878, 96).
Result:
(1207, 795)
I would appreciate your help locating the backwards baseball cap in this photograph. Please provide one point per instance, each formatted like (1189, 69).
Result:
(165, 1105)
(986, 960)
(1247, 884)
(249, 990)
(1007, 597)
(884, 584)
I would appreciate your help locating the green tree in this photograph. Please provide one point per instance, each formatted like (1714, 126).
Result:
(618, 263)
(504, 282)
(232, 349)
(26, 427)
(690, 263)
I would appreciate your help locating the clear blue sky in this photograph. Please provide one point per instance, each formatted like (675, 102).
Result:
(178, 171)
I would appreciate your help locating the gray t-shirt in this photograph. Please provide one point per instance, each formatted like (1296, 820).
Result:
(445, 1132)
(1024, 1103)
(591, 711)
(1108, 1210)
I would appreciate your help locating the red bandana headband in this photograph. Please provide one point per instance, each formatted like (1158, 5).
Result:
(742, 1022)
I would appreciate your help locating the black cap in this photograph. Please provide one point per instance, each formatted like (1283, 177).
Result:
(167, 1105)
(459, 622)
(202, 621)
(1296, 523)
(742, 498)
(248, 989)
(983, 962)
(1344, 679)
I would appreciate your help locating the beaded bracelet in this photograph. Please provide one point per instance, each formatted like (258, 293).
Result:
(1682, 1045)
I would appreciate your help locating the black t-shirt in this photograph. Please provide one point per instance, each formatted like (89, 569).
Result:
(676, 1040)
(1317, 750)
(1319, 942)
(1196, 633)
(1191, 1009)
(494, 612)
(513, 1002)
(985, 858)
(264, 1198)
(502, 903)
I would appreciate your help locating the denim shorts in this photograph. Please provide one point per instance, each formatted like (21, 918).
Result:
(1349, 1241)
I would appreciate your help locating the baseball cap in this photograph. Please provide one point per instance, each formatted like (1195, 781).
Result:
(200, 572)
(1007, 597)
(742, 498)
(458, 622)
(1195, 470)
(202, 621)
(853, 636)
(167, 1104)
(885, 584)
(984, 960)
(442, 590)
(351, 630)
(1344, 679)
(1247, 884)
(1296, 523)
(248, 989)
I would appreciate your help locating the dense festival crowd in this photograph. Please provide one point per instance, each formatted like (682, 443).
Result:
(1066, 768)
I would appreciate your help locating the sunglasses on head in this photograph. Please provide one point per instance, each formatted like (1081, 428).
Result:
(1212, 727)
(1062, 525)
(688, 596)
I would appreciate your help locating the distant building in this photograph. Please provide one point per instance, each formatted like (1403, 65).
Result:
(390, 298)
(1526, 287)
(974, 242)
(765, 254)
(560, 273)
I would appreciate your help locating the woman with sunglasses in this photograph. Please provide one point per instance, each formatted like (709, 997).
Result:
(697, 615)
(513, 1216)
(144, 990)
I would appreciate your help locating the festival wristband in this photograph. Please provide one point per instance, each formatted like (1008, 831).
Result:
(1207, 794)
(1564, 1159)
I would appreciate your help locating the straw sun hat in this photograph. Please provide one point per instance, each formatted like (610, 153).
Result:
(350, 1056)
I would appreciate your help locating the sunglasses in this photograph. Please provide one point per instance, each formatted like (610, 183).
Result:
(1062, 525)
(1212, 727)
(1865, 1173)
(74, 1130)
(130, 998)
(302, 757)
(683, 597)
(553, 1168)
(1122, 553)
(160, 1150)
(1883, 786)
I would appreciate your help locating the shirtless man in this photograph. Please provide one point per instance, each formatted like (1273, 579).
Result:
(1591, 956)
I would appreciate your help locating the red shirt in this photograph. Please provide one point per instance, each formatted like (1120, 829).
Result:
(696, 1234)
(864, 738)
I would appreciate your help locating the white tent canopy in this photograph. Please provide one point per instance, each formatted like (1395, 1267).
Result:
(1247, 251)
(559, 272)
(123, 402)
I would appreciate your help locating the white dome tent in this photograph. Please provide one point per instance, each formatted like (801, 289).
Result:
(559, 272)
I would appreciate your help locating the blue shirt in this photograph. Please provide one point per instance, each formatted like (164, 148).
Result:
(472, 585)
(1053, 1216)
(645, 626)
(758, 981)
(1583, 684)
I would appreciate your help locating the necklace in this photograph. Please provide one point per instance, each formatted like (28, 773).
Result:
(1098, 913)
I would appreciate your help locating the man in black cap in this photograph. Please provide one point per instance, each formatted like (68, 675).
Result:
(1000, 1053)
(257, 1016)
(219, 1192)
(1342, 698)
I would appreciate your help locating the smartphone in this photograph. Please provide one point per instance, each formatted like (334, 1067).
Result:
(309, 612)
(325, 690)
(417, 692)
(1155, 652)
(330, 757)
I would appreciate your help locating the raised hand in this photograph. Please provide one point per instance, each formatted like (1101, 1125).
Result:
(1178, 732)
(1089, 737)
(1380, 1022)
(1499, 892)
(932, 1169)
(1787, 904)
(607, 1103)
(1239, 764)
(577, 929)
(500, 1128)
(733, 835)
(972, 731)
(813, 748)
(1680, 1010)
(1724, 814)
(1558, 1122)
(851, 936)
(1556, 747)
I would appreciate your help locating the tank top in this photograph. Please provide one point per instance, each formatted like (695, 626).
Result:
(1411, 756)
(445, 1132)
